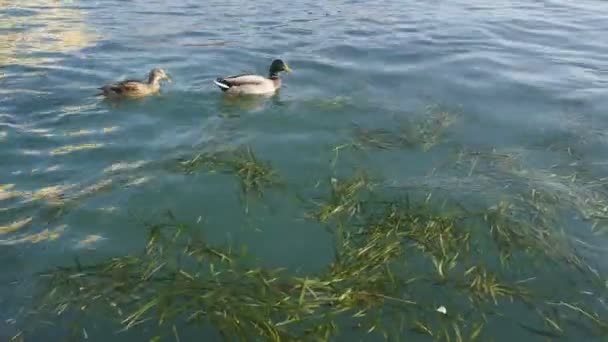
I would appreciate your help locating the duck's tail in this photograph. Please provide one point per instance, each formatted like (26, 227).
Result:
(219, 83)
(103, 91)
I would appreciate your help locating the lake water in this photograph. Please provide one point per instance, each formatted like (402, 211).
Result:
(503, 100)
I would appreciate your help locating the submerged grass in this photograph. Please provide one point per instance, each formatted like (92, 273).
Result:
(255, 175)
(345, 199)
(482, 265)
(425, 133)
(388, 253)
(180, 278)
(548, 192)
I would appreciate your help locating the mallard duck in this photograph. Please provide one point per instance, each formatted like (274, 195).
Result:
(135, 88)
(249, 84)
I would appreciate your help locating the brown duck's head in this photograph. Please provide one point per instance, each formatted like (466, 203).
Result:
(157, 75)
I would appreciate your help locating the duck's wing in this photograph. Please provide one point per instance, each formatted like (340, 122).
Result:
(126, 86)
(129, 86)
(240, 80)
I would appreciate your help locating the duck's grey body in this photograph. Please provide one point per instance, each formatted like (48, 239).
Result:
(249, 84)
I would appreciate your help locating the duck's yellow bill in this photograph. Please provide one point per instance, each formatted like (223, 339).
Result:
(287, 68)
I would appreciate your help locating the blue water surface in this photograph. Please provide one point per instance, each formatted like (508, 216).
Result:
(522, 77)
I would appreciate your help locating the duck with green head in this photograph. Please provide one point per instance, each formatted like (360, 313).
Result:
(135, 88)
(250, 84)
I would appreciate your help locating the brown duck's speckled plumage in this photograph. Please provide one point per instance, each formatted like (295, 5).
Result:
(135, 88)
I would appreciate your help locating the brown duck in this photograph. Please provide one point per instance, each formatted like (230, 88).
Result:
(135, 88)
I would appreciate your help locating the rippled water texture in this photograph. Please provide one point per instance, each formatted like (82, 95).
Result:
(523, 82)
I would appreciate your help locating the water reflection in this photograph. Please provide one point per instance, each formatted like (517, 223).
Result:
(15, 226)
(89, 241)
(45, 235)
(52, 202)
(30, 30)
(73, 148)
(254, 103)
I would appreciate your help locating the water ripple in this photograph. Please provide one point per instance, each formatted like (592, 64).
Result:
(524, 75)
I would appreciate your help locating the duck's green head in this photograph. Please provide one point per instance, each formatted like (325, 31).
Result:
(278, 66)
